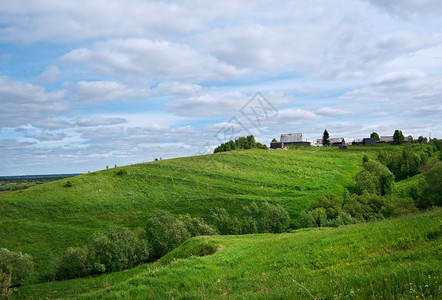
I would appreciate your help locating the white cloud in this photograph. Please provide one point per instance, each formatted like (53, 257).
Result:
(22, 102)
(94, 92)
(46, 136)
(138, 59)
(99, 121)
(50, 75)
(52, 123)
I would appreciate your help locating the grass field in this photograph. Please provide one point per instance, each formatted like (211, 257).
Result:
(46, 219)
(391, 259)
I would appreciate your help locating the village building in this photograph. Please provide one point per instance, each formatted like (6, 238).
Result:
(386, 139)
(333, 142)
(290, 139)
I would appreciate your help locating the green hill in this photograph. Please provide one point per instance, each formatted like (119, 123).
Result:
(44, 220)
(392, 259)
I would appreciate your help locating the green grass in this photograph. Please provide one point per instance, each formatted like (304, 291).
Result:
(397, 259)
(44, 220)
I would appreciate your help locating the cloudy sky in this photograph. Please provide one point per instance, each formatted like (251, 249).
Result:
(85, 84)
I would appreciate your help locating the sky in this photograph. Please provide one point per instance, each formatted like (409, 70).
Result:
(89, 84)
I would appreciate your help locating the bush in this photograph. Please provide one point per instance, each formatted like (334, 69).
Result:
(196, 226)
(164, 233)
(121, 172)
(224, 223)
(273, 218)
(73, 264)
(431, 187)
(68, 184)
(15, 267)
(116, 250)
(375, 179)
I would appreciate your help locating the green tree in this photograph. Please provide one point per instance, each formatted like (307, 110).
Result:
(398, 137)
(15, 267)
(431, 187)
(274, 140)
(374, 135)
(325, 138)
(164, 233)
(422, 140)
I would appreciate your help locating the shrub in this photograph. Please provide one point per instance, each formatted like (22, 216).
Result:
(121, 172)
(306, 220)
(196, 226)
(164, 233)
(431, 190)
(68, 184)
(15, 267)
(116, 250)
(273, 218)
(73, 264)
(375, 179)
(224, 223)
(395, 206)
(331, 203)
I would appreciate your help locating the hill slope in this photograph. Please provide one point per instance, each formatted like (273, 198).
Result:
(399, 258)
(48, 218)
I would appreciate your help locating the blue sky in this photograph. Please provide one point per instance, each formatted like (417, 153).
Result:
(85, 84)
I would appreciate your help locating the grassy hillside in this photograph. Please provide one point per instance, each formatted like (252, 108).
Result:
(397, 259)
(46, 219)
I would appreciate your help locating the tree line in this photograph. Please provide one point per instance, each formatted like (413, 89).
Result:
(248, 142)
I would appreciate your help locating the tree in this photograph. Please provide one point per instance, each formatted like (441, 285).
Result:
(15, 268)
(422, 140)
(325, 140)
(374, 135)
(398, 137)
(274, 140)
(164, 233)
(431, 187)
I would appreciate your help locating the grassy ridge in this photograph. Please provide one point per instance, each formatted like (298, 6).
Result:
(48, 218)
(361, 261)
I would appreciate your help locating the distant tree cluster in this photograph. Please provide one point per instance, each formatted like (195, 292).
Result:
(248, 142)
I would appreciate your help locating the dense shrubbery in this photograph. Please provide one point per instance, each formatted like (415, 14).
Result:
(375, 179)
(407, 162)
(248, 142)
(430, 193)
(266, 218)
(333, 211)
(15, 269)
(116, 250)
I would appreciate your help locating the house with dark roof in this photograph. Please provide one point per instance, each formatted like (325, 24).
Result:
(290, 139)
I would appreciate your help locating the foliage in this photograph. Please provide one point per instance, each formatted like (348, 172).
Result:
(121, 172)
(197, 226)
(422, 140)
(248, 142)
(431, 187)
(164, 233)
(274, 140)
(406, 162)
(116, 250)
(68, 184)
(398, 137)
(225, 223)
(325, 138)
(375, 179)
(390, 259)
(15, 267)
(375, 135)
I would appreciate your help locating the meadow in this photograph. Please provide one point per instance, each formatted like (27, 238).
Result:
(390, 259)
(44, 220)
